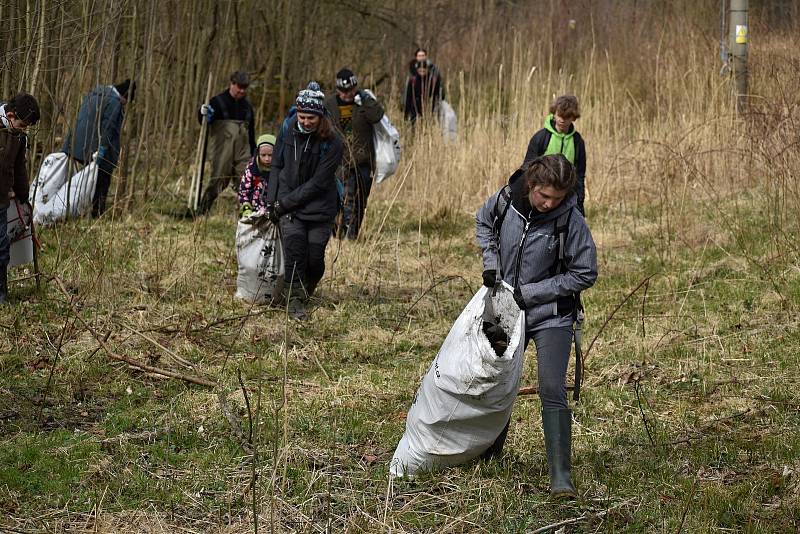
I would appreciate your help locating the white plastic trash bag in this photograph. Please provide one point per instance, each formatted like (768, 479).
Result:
(465, 398)
(449, 121)
(20, 233)
(73, 198)
(260, 256)
(52, 176)
(386, 139)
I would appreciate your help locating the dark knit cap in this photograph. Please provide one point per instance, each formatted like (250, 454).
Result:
(126, 89)
(311, 100)
(345, 79)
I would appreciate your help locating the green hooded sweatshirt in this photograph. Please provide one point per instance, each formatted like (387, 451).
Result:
(560, 143)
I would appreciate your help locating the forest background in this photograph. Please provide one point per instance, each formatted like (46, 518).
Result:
(689, 419)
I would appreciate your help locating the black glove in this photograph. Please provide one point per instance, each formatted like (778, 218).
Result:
(278, 209)
(271, 214)
(490, 277)
(519, 299)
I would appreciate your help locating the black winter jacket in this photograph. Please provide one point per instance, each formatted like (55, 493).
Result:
(303, 174)
(365, 116)
(538, 146)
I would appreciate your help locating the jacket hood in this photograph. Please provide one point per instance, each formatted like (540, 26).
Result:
(549, 124)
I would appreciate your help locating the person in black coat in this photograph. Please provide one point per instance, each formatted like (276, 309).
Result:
(302, 195)
(424, 88)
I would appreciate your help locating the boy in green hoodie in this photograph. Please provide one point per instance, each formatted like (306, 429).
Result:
(559, 136)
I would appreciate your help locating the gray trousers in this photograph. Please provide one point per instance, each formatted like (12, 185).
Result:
(553, 347)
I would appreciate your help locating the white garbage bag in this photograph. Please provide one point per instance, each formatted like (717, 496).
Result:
(20, 233)
(466, 397)
(73, 197)
(260, 256)
(449, 121)
(386, 139)
(52, 176)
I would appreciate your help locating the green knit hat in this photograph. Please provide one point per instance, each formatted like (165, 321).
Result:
(265, 139)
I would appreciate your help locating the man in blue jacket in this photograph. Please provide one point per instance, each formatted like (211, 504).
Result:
(97, 130)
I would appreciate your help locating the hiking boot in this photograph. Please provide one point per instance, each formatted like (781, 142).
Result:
(3, 285)
(557, 425)
(297, 310)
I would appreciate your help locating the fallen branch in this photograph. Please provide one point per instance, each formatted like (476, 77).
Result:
(130, 361)
(534, 390)
(554, 526)
(611, 316)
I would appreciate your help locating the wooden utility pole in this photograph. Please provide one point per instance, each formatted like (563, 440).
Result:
(738, 39)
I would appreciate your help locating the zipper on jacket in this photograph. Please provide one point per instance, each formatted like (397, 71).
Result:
(519, 253)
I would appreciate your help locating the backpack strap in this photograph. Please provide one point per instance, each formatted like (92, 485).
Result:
(501, 208)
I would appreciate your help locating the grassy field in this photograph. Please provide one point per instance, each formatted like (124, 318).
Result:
(690, 413)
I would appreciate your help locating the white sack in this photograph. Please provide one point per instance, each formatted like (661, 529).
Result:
(20, 233)
(52, 175)
(77, 192)
(449, 121)
(260, 256)
(465, 398)
(386, 139)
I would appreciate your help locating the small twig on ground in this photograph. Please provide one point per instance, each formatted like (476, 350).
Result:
(430, 288)
(234, 422)
(636, 385)
(548, 528)
(247, 403)
(174, 356)
(688, 503)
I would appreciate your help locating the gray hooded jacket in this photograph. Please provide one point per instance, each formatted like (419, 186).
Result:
(526, 253)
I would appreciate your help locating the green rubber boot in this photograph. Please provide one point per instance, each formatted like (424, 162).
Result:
(557, 425)
(3, 285)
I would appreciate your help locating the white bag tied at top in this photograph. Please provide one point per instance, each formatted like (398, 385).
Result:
(465, 398)
(52, 176)
(72, 198)
(260, 257)
(386, 139)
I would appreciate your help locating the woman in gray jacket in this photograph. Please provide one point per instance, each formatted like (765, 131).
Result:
(534, 238)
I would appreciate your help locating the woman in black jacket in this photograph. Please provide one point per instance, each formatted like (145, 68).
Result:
(302, 194)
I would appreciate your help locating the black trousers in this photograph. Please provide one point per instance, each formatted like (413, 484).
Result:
(304, 244)
(101, 189)
(359, 185)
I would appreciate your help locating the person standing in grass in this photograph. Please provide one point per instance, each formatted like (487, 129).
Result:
(231, 136)
(98, 130)
(15, 117)
(532, 235)
(424, 88)
(559, 136)
(355, 111)
(253, 184)
(302, 195)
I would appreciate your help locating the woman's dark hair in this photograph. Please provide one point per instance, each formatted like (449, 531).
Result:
(553, 170)
(25, 107)
(325, 129)
(420, 49)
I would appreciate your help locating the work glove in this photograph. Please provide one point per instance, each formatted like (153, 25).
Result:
(208, 112)
(278, 209)
(245, 210)
(490, 277)
(519, 299)
(270, 214)
(362, 95)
